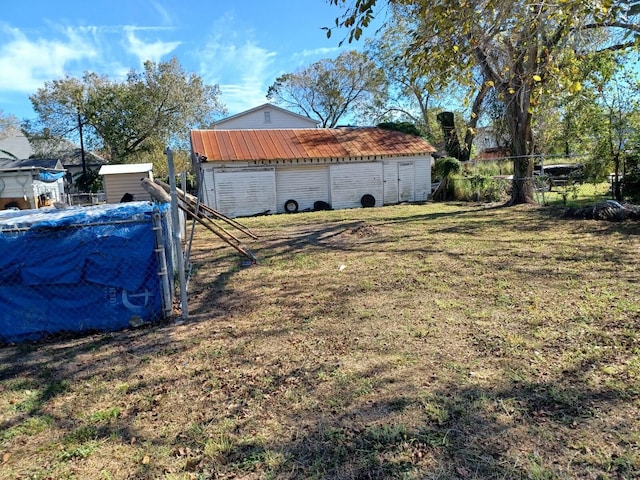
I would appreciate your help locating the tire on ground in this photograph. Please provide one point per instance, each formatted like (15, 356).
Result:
(291, 206)
(368, 201)
(321, 205)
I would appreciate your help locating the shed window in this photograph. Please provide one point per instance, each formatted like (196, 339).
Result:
(267, 117)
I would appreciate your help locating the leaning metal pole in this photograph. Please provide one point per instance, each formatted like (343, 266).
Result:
(176, 233)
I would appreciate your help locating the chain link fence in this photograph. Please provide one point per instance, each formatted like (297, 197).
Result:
(101, 268)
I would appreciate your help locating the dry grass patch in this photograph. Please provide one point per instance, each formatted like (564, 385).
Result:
(428, 341)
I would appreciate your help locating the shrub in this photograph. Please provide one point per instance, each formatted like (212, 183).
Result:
(631, 185)
(445, 167)
(478, 188)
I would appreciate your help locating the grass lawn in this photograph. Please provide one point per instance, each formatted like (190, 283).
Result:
(435, 341)
(576, 195)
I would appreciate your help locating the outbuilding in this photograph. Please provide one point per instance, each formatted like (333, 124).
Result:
(122, 179)
(249, 172)
(30, 183)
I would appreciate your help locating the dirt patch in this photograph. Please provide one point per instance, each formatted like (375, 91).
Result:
(366, 230)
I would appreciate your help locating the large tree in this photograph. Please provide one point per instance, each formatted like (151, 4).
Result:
(330, 90)
(618, 99)
(408, 96)
(9, 125)
(521, 48)
(125, 118)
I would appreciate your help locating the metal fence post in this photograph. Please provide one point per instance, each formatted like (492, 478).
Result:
(177, 235)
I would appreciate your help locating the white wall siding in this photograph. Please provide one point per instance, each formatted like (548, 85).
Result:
(242, 190)
(117, 184)
(351, 181)
(266, 118)
(53, 190)
(245, 192)
(422, 181)
(406, 182)
(304, 184)
(14, 185)
(390, 182)
(407, 179)
(208, 187)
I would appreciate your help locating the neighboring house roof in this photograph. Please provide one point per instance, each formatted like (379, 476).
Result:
(320, 143)
(31, 163)
(493, 153)
(265, 106)
(125, 168)
(18, 145)
(73, 158)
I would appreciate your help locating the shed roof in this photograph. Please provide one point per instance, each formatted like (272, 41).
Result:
(31, 163)
(125, 168)
(285, 144)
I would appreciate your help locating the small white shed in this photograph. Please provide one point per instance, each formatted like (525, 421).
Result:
(123, 179)
(249, 172)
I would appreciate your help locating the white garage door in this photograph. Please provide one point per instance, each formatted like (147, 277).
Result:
(245, 192)
(351, 181)
(303, 184)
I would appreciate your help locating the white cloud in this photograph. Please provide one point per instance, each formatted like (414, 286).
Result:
(153, 51)
(243, 69)
(317, 52)
(26, 63)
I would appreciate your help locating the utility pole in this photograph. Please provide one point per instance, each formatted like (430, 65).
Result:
(84, 161)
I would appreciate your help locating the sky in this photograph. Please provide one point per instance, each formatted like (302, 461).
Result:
(241, 45)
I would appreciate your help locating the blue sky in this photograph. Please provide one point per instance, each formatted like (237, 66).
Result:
(242, 45)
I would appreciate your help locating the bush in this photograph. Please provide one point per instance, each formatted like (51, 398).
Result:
(631, 185)
(445, 167)
(478, 188)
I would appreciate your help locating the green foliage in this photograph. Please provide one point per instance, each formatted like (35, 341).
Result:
(571, 188)
(631, 185)
(156, 106)
(492, 168)
(408, 96)
(479, 188)
(596, 169)
(405, 127)
(445, 167)
(90, 182)
(523, 51)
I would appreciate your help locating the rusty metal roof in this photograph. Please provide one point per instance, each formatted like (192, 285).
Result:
(315, 143)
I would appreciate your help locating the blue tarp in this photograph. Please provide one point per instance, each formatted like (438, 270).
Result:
(86, 268)
(50, 176)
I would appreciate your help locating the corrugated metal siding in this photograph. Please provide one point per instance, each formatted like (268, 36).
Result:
(245, 192)
(304, 184)
(350, 181)
(116, 185)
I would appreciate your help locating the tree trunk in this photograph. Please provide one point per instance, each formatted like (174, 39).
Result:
(519, 120)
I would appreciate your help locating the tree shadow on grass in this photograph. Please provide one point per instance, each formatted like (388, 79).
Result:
(525, 431)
